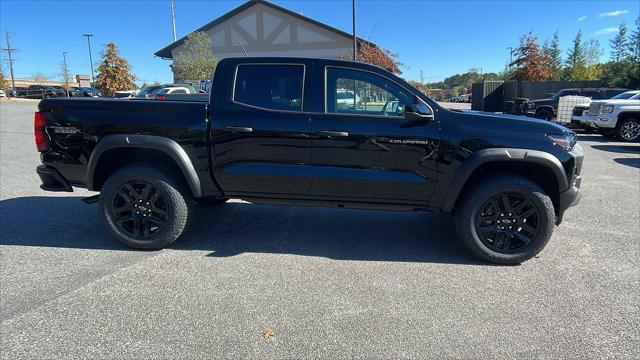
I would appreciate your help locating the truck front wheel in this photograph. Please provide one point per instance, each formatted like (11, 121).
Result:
(144, 206)
(628, 130)
(545, 114)
(506, 219)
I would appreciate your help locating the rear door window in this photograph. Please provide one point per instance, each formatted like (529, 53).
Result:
(270, 86)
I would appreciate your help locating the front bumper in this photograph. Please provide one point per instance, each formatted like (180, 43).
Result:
(52, 180)
(571, 196)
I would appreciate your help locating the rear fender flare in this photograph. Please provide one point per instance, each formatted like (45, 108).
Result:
(158, 143)
(473, 162)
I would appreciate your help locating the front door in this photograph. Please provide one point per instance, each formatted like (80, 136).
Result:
(363, 148)
(261, 143)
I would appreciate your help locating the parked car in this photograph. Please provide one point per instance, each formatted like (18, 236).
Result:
(2, 94)
(149, 92)
(618, 116)
(60, 91)
(347, 99)
(90, 92)
(38, 92)
(548, 108)
(124, 94)
(273, 133)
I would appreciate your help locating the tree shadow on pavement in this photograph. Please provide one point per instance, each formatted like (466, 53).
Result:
(633, 162)
(623, 149)
(236, 228)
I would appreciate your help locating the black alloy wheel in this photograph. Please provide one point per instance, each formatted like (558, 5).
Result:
(508, 222)
(139, 209)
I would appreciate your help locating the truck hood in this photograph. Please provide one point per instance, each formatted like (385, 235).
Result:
(515, 123)
(617, 102)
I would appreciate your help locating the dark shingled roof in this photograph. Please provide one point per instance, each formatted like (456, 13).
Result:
(166, 51)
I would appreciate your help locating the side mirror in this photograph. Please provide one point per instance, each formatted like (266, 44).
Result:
(417, 114)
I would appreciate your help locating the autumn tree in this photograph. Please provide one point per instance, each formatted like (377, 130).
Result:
(114, 72)
(3, 81)
(196, 60)
(373, 54)
(619, 44)
(531, 62)
(552, 50)
(418, 85)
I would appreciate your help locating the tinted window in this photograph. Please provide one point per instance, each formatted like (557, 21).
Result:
(277, 87)
(625, 95)
(591, 94)
(361, 92)
(179, 91)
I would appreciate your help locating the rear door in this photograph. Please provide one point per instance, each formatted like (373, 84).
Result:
(362, 146)
(260, 133)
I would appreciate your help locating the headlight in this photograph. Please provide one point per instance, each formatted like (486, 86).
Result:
(565, 141)
(607, 108)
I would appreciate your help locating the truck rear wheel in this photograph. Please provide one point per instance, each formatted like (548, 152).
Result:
(145, 206)
(628, 130)
(506, 220)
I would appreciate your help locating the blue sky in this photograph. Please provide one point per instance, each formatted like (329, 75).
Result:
(440, 38)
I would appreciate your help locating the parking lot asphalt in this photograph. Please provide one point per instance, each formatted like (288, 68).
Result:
(251, 281)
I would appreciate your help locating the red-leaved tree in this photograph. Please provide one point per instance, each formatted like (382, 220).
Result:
(375, 55)
(531, 62)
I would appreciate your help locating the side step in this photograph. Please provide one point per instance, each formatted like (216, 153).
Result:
(91, 199)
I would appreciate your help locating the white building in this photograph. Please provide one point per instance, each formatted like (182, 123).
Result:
(266, 29)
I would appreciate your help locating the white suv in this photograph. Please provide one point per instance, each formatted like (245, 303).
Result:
(619, 116)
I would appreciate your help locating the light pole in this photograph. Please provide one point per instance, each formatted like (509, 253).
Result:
(90, 56)
(173, 21)
(353, 6)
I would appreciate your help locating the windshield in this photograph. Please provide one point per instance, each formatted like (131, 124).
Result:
(147, 91)
(627, 95)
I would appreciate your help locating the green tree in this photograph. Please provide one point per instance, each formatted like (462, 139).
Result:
(554, 53)
(619, 44)
(576, 61)
(633, 44)
(623, 74)
(196, 61)
(114, 72)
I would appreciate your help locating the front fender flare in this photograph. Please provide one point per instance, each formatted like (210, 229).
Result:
(165, 145)
(486, 156)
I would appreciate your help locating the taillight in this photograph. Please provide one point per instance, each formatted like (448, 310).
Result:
(39, 123)
(161, 97)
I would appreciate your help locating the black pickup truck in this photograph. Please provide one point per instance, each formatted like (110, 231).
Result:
(281, 131)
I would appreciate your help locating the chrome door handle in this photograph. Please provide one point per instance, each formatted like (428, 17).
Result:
(238, 129)
(334, 133)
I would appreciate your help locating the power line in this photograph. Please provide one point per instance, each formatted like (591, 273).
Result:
(8, 49)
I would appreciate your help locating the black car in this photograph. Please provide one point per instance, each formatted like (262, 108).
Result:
(548, 108)
(273, 132)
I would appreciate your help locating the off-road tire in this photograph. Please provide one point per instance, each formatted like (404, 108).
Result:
(175, 196)
(544, 114)
(469, 208)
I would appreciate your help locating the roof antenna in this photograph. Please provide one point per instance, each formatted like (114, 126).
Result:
(245, 51)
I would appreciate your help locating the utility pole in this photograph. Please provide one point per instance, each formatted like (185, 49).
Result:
(355, 40)
(66, 70)
(8, 49)
(421, 78)
(173, 21)
(90, 56)
(510, 55)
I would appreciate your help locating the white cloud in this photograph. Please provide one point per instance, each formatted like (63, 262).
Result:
(606, 31)
(613, 13)
(582, 18)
